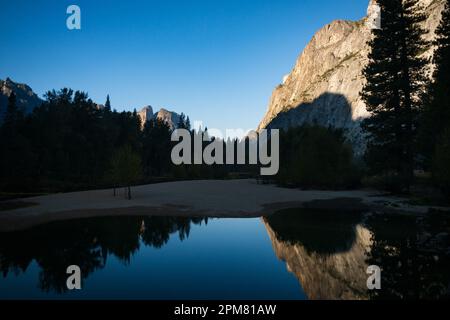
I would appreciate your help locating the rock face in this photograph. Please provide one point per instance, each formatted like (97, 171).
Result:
(146, 114)
(330, 276)
(169, 117)
(26, 99)
(324, 86)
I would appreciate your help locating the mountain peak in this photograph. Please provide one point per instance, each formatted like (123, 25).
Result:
(169, 117)
(26, 99)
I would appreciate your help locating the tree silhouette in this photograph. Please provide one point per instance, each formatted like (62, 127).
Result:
(395, 79)
(156, 148)
(435, 132)
(108, 103)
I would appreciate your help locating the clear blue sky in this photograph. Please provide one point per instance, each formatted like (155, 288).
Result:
(217, 60)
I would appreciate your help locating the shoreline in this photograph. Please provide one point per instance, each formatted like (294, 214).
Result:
(212, 198)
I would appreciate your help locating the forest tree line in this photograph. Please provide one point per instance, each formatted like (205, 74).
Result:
(70, 143)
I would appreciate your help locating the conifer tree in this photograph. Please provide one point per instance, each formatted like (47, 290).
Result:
(108, 103)
(182, 122)
(188, 124)
(395, 78)
(12, 111)
(436, 118)
(436, 125)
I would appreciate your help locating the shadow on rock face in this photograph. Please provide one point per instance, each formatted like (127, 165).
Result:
(328, 110)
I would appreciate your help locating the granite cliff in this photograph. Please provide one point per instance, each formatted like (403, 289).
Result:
(169, 117)
(324, 86)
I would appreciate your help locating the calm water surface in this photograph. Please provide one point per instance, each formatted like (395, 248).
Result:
(294, 254)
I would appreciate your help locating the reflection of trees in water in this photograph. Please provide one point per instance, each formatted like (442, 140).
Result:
(86, 243)
(413, 253)
(156, 231)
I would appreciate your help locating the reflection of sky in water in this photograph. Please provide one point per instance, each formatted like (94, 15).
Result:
(326, 252)
(228, 258)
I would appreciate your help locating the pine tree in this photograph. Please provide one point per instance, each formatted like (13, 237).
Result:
(436, 125)
(188, 123)
(395, 78)
(182, 122)
(436, 117)
(12, 112)
(108, 103)
(16, 154)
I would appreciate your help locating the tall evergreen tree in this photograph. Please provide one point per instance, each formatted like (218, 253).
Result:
(12, 112)
(188, 123)
(108, 103)
(156, 148)
(182, 122)
(16, 160)
(395, 79)
(436, 117)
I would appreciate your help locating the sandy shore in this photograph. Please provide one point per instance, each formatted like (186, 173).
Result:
(214, 198)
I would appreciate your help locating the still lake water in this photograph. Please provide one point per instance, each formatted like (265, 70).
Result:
(294, 254)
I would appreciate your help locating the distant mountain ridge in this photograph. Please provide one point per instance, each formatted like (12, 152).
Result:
(169, 117)
(27, 100)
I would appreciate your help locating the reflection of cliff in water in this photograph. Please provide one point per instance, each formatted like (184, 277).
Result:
(326, 251)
